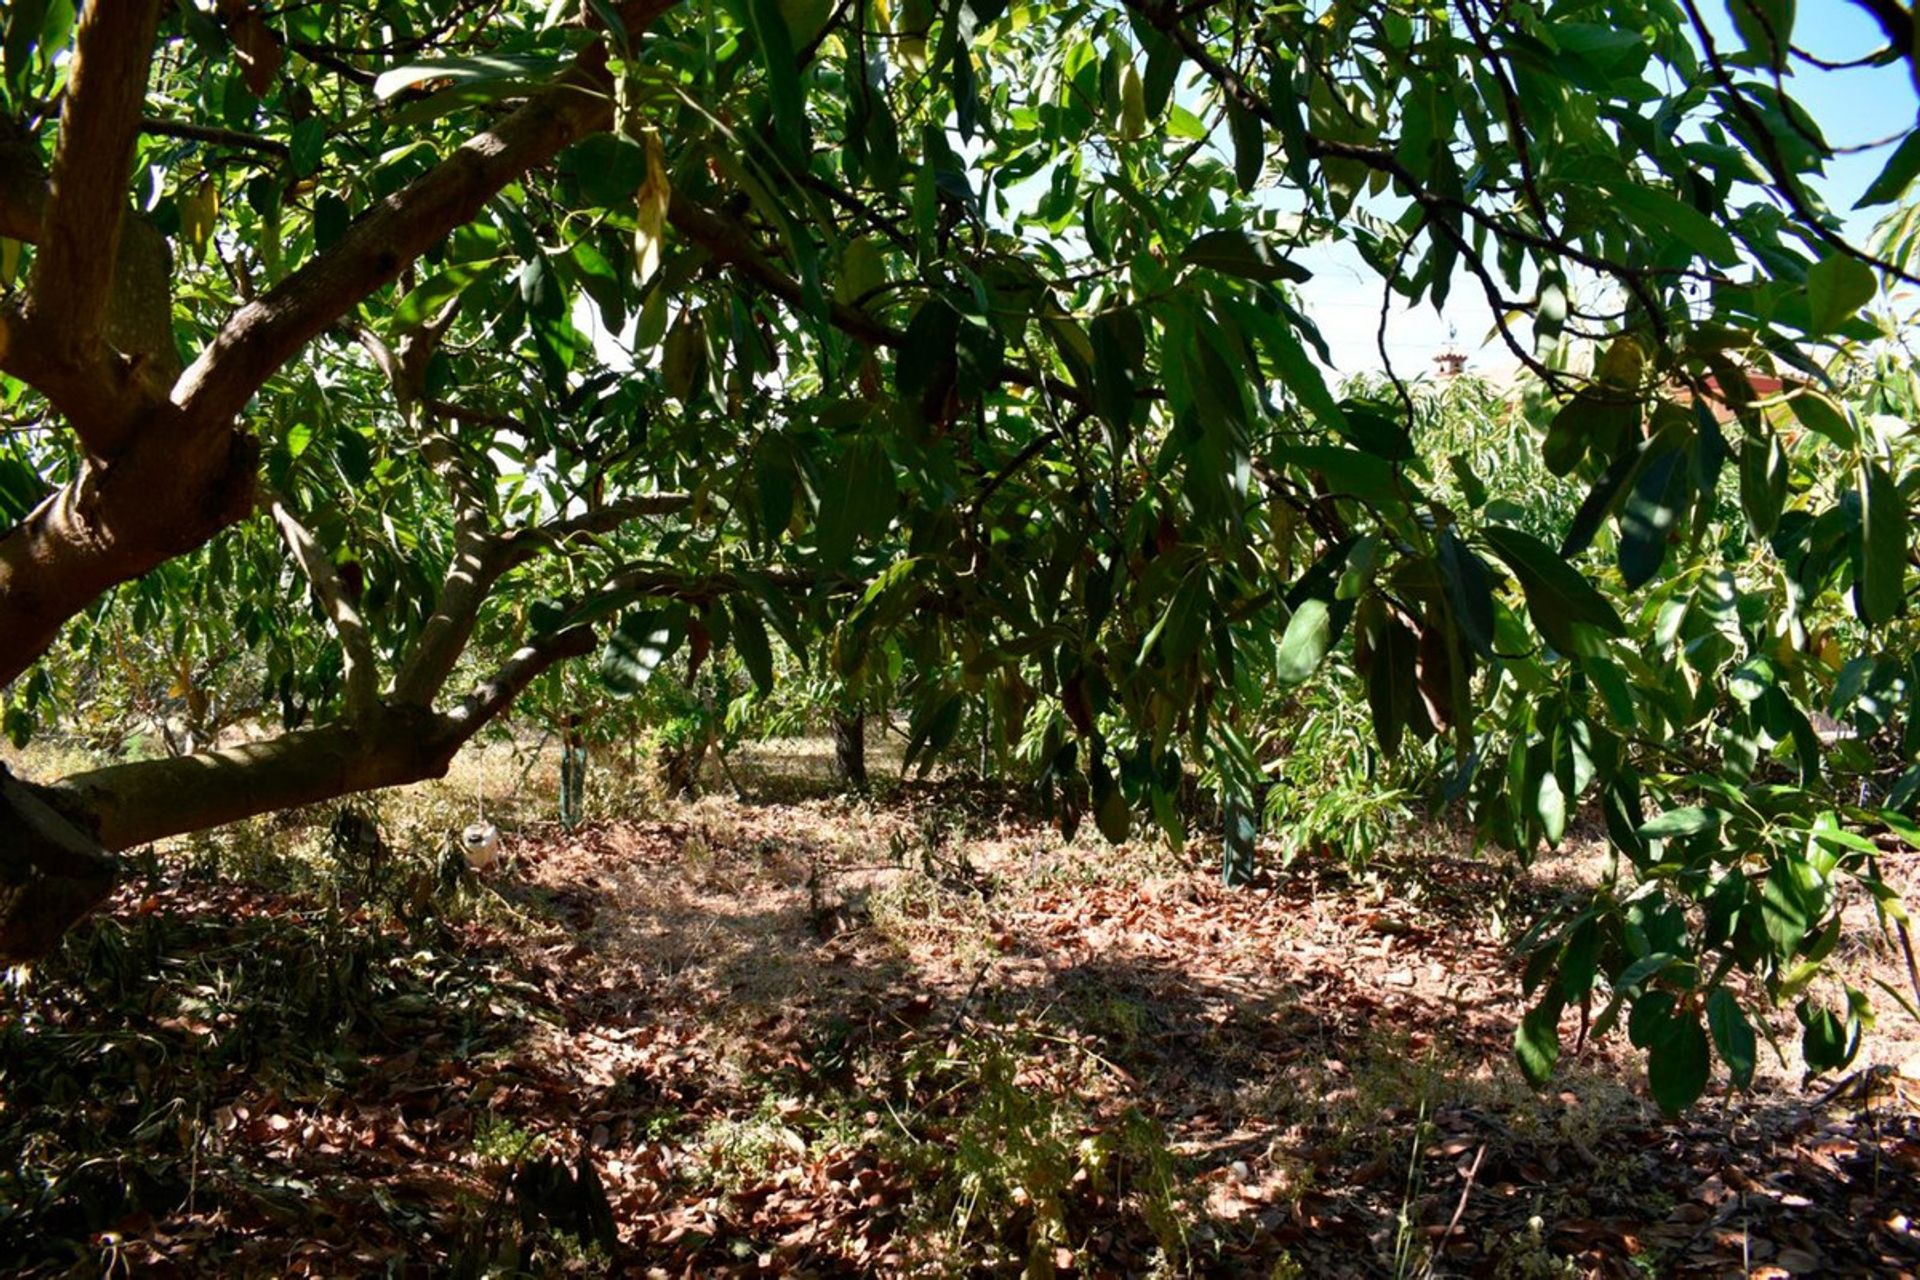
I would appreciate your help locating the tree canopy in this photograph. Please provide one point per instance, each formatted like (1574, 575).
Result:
(409, 349)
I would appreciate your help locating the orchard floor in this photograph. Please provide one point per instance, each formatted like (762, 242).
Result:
(800, 1035)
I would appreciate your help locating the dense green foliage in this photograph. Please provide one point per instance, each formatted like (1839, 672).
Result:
(971, 334)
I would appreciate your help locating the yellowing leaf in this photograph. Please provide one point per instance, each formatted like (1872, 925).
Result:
(1133, 104)
(862, 270)
(1622, 363)
(199, 210)
(650, 215)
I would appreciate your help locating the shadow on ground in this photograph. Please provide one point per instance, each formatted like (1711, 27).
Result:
(828, 1037)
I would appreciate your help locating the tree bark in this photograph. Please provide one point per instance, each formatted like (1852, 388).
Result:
(56, 841)
(146, 800)
(850, 751)
(51, 872)
(168, 476)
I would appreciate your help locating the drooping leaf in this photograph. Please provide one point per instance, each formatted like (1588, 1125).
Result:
(1536, 1041)
(775, 43)
(1732, 1036)
(1837, 287)
(1469, 590)
(1898, 174)
(1678, 1065)
(750, 641)
(1239, 252)
(1304, 645)
(1557, 594)
(1763, 481)
(643, 640)
(1880, 586)
(1665, 488)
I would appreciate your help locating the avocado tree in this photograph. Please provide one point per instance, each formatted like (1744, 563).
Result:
(421, 345)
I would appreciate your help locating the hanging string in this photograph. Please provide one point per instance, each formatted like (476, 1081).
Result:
(480, 841)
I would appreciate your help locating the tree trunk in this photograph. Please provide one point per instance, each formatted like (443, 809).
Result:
(51, 873)
(573, 776)
(850, 751)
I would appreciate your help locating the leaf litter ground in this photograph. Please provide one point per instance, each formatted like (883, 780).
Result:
(811, 1036)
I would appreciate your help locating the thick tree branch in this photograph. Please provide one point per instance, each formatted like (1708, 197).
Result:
(95, 334)
(494, 695)
(146, 800)
(523, 544)
(478, 561)
(360, 672)
(264, 334)
(80, 235)
(51, 873)
(167, 493)
(140, 305)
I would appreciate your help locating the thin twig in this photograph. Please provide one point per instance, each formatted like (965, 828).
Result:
(1459, 1210)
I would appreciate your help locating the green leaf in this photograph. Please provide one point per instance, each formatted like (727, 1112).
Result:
(429, 297)
(25, 20)
(644, 639)
(931, 729)
(1661, 216)
(1557, 594)
(1817, 413)
(1391, 685)
(1238, 252)
(309, 138)
(1652, 1020)
(1690, 820)
(1116, 338)
(862, 271)
(859, 501)
(21, 490)
(1249, 147)
(1880, 587)
(1732, 1036)
(1824, 1043)
(1349, 472)
(1766, 28)
(1536, 1041)
(783, 78)
(1548, 805)
(1763, 481)
(751, 643)
(1652, 509)
(1783, 909)
(1377, 431)
(1837, 287)
(1901, 169)
(1308, 636)
(1469, 591)
(1677, 1067)
(1597, 420)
